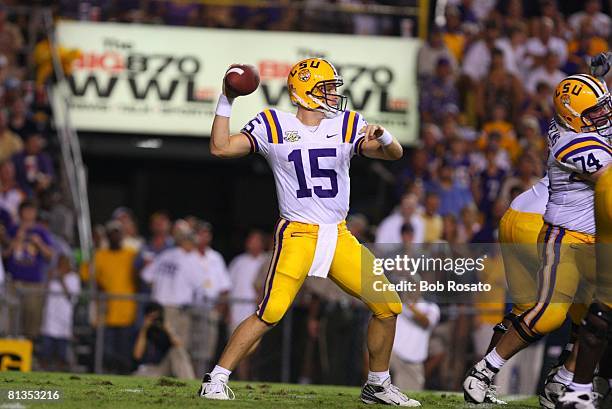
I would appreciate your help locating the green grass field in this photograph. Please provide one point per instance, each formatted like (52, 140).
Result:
(106, 391)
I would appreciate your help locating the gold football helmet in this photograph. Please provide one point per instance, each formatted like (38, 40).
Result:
(312, 84)
(583, 104)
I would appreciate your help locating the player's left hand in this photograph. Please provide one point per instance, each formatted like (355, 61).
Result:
(372, 131)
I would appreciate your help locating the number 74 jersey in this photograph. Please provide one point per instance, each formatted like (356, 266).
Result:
(310, 164)
(571, 198)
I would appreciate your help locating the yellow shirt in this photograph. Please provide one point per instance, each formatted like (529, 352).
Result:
(115, 276)
(455, 42)
(508, 140)
(433, 228)
(10, 144)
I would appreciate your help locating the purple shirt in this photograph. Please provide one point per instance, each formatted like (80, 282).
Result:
(28, 166)
(28, 263)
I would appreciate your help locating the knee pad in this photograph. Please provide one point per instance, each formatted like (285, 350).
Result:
(597, 325)
(502, 327)
(276, 307)
(553, 317)
(386, 310)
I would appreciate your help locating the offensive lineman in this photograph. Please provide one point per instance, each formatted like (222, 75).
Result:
(309, 153)
(579, 154)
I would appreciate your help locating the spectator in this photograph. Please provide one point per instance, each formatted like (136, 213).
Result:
(157, 350)
(515, 45)
(525, 178)
(114, 268)
(488, 185)
(175, 276)
(544, 44)
(131, 237)
(453, 36)
(431, 53)
(438, 92)
(500, 124)
(530, 137)
(215, 290)
(478, 57)
(389, 229)
(499, 87)
(584, 46)
(410, 347)
(540, 105)
(20, 121)
(243, 271)
(458, 157)
(64, 287)
(549, 73)
(159, 226)
(11, 40)
(11, 196)
(27, 258)
(432, 222)
(453, 196)
(10, 143)
(592, 11)
(33, 167)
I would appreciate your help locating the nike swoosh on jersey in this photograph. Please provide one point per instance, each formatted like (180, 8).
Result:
(331, 136)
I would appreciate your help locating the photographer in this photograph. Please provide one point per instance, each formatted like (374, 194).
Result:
(157, 350)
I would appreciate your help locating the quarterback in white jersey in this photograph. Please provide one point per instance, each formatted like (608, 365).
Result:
(309, 153)
(579, 154)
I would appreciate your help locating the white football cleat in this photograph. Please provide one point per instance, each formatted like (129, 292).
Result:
(216, 388)
(491, 396)
(602, 387)
(477, 382)
(553, 389)
(578, 400)
(386, 394)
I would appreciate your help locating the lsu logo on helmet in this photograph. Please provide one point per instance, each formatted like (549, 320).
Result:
(583, 104)
(312, 84)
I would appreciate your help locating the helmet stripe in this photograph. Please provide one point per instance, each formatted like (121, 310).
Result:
(596, 83)
(589, 82)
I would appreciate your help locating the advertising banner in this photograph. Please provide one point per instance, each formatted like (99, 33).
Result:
(165, 80)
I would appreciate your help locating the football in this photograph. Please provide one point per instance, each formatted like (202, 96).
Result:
(241, 79)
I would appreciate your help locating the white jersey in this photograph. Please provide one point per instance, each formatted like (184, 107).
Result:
(175, 276)
(310, 166)
(572, 154)
(534, 199)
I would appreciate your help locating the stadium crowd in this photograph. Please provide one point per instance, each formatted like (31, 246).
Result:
(486, 75)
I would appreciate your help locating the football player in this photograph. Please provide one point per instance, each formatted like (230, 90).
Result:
(579, 154)
(596, 329)
(519, 229)
(309, 152)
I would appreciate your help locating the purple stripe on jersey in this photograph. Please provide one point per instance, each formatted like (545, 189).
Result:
(252, 141)
(344, 124)
(354, 130)
(356, 148)
(275, 262)
(267, 124)
(584, 149)
(553, 276)
(278, 127)
(575, 141)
